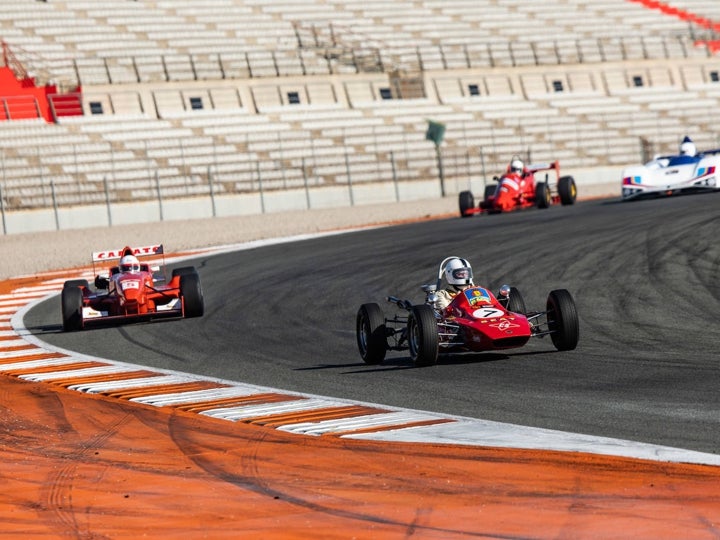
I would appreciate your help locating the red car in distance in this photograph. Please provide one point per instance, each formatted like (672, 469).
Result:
(518, 188)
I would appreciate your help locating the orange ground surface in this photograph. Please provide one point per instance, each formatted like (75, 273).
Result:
(95, 466)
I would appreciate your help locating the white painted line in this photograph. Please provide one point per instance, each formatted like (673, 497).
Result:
(357, 423)
(19, 298)
(8, 343)
(476, 432)
(130, 384)
(29, 351)
(74, 373)
(196, 396)
(39, 288)
(255, 411)
(32, 364)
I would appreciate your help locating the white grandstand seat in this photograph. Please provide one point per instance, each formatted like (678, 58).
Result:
(138, 60)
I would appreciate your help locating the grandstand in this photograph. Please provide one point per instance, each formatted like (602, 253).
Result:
(120, 100)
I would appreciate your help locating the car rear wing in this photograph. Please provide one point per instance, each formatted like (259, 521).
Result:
(554, 166)
(109, 255)
(112, 254)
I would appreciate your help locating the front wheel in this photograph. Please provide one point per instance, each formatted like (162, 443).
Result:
(567, 190)
(76, 283)
(466, 202)
(72, 304)
(370, 333)
(192, 296)
(562, 320)
(543, 197)
(183, 271)
(422, 334)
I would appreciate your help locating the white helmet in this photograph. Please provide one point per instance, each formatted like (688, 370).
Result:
(516, 165)
(458, 272)
(687, 147)
(129, 263)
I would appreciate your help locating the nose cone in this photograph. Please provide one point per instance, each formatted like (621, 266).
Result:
(505, 196)
(131, 292)
(131, 295)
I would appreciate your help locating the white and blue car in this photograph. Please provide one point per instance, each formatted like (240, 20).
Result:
(669, 175)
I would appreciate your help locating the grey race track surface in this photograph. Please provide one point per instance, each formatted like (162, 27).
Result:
(644, 276)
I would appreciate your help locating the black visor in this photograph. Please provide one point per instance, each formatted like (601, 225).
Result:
(463, 273)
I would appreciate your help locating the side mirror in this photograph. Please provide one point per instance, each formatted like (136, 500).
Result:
(429, 288)
(505, 291)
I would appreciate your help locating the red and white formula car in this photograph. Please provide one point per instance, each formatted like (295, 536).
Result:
(518, 188)
(137, 293)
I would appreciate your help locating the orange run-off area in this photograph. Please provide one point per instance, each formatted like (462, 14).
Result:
(98, 466)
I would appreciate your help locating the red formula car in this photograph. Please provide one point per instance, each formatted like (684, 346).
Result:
(476, 320)
(518, 188)
(132, 290)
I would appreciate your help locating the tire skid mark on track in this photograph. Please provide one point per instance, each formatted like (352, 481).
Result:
(60, 483)
(292, 413)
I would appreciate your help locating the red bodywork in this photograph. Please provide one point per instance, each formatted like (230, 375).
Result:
(133, 295)
(476, 321)
(516, 191)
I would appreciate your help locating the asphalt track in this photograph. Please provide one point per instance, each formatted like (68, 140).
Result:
(99, 466)
(644, 276)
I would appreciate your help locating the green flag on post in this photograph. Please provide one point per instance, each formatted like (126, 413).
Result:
(435, 132)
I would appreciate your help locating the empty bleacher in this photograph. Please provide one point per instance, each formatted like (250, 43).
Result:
(225, 95)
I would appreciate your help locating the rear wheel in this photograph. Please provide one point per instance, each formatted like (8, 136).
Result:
(567, 190)
(543, 197)
(183, 270)
(515, 302)
(192, 296)
(370, 332)
(422, 335)
(72, 304)
(563, 320)
(76, 283)
(467, 202)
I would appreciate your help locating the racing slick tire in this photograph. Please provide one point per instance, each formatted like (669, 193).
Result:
(543, 197)
(562, 319)
(567, 190)
(183, 270)
(76, 283)
(467, 202)
(192, 296)
(71, 301)
(422, 335)
(371, 334)
(488, 198)
(516, 302)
